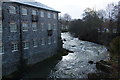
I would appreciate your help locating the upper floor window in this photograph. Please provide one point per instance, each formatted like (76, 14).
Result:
(0, 11)
(12, 9)
(1, 49)
(49, 16)
(0, 6)
(34, 26)
(13, 27)
(42, 41)
(25, 26)
(54, 39)
(54, 16)
(14, 47)
(0, 26)
(49, 40)
(34, 12)
(24, 11)
(54, 26)
(34, 43)
(26, 45)
(49, 27)
(41, 13)
(42, 26)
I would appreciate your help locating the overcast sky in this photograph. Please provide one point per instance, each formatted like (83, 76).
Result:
(75, 7)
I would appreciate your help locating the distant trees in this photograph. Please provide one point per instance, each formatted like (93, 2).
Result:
(66, 17)
(65, 21)
(98, 26)
(86, 27)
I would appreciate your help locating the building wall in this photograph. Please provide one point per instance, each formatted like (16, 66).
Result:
(1, 40)
(33, 54)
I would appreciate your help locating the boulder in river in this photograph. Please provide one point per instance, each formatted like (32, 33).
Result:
(73, 46)
(64, 39)
(69, 51)
(104, 66)
(90, 62)
(98, 76)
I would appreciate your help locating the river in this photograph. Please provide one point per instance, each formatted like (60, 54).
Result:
(73, 65)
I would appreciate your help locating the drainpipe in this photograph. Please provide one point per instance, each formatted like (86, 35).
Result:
(21, 61)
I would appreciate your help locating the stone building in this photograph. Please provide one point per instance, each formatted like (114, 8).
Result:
(29, 32)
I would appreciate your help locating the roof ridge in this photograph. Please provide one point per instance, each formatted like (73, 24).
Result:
(33, 3)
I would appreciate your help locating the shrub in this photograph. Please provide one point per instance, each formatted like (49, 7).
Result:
(115, 45)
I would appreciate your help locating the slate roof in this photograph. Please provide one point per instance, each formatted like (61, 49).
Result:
(34, 4)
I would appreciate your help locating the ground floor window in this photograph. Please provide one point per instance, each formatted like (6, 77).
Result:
(14, 47)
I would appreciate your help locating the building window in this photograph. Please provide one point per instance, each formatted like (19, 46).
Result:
(1, 49)
(49, 27)
(14, 47)
(0, 10)
(98, 30)
(34, 43)
(54, 39)
(42, 41)
(34, 12)
(42, 14)
(13, 27)
(26, 45)
(0, 27)
(49, 40)
(54, 16)
(24, 11)
(54, 26)
(42, 26)
(34, 26)
(107, 30)
(25, 26)
(12, 9)
(49, 16)
(0, 6)
(114, 30)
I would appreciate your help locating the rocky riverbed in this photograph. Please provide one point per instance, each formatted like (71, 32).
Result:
(77, 63)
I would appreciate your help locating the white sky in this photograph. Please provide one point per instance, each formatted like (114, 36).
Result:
(75, 7)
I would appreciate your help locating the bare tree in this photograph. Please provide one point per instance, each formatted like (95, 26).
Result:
(65, 21)
(66, 17)
(102, 14)
(109, 10)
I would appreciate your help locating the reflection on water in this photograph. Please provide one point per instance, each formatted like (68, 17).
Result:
(73, 65)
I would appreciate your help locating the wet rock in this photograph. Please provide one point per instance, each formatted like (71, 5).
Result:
(90, 62)
(64, 39)
(73, 46)
(105, 62)
(104, 66)
(69, 51)
(98, 76)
